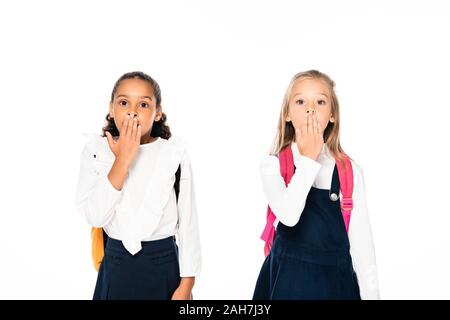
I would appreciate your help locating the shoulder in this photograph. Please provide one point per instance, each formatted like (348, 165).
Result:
(174, 143)
(94, 139)
(96, 146)
(356, 166)
(173, 147)
(179, 145)
(269, 164)
(174, 152)
(358, 175)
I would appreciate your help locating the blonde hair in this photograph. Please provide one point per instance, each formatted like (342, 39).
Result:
(286, 133)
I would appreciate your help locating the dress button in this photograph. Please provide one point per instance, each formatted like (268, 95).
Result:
(334, 197)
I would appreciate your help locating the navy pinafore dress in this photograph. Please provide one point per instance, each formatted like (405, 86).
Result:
(311, 260)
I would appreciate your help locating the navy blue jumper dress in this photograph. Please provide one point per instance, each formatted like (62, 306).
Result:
(311, 260)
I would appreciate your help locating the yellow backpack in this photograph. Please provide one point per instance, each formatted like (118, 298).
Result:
(99, 236)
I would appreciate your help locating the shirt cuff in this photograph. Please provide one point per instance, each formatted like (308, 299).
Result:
(109, 187)
(303, 161)
(189, 271)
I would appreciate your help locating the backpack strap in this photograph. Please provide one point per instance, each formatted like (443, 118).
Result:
(345, 172)
(286, 159)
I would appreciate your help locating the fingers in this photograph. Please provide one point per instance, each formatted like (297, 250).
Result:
(311, 126)
(129, 128)
(308, 123)
(303, 128)
(133, 129)
(125, 126)
(314, 123)
(138, 133)
(317, 125)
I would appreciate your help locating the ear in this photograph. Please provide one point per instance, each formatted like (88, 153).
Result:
(288, 113)
(111, 110)
(158, 113)
(332, 119)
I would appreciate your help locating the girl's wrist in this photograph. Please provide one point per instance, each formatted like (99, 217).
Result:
(187, 283)
(122, 161)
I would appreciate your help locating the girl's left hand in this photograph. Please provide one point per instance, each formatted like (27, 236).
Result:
(182, 294)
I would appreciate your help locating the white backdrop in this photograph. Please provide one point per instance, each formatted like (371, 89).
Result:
(223, 68)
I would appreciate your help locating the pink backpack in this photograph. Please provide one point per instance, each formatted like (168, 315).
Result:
(345, 172)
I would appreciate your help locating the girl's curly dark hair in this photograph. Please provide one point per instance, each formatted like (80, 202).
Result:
(159, 129)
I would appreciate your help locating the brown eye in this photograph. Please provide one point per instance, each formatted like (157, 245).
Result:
(322, 102)
(122, 103)
(144, 105)
(300, 101)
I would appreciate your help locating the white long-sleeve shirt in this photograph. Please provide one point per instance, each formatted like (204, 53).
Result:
(145, 208)
(287, 203)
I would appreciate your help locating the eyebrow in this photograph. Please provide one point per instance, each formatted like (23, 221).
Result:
(142, 97)
(299, 93)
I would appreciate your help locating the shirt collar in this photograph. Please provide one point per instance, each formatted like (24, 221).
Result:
(324, 156)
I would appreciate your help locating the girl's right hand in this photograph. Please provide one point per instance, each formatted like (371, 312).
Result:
(127, 145)
(309, 138)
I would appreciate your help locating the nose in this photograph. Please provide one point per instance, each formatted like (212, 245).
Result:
(310, 110)
(133, 115)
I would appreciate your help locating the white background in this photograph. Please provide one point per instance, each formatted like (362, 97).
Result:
(223, 68)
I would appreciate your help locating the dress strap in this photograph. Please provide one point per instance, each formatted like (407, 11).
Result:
(335, 186)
